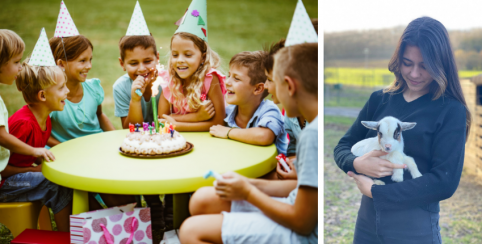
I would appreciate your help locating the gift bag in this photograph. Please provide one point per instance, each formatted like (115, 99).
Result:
(117, 225)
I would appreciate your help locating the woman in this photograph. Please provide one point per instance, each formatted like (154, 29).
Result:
(426, 91)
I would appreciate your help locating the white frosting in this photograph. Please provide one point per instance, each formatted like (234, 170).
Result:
(138, 143)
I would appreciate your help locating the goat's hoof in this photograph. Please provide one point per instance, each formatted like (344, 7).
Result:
(378, 182)
(416, 174)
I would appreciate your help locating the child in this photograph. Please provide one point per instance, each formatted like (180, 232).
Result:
(83, 108)
(240, 210)
(293, 126)
(11, 52)
(249, 118)
(193, 77)
(138, 56)
(44, 89)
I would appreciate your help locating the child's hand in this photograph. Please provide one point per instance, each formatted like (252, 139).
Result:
(219, 131)
(206, 111)
(37, 168)
(233, 187)
(44, 153)
(169, 119)
(139, 83)
(282, 174)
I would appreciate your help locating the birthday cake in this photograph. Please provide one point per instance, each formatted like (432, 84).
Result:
(149, 142)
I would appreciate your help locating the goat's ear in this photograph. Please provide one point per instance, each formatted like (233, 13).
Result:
(408, 125)
(370, 124)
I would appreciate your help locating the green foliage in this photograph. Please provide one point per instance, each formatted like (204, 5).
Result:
(234, 26)
(339, 120)
(5, 235)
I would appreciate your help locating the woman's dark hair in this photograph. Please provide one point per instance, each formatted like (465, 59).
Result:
(431, 37)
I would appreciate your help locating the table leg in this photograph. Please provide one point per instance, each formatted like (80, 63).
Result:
(80, 203)
(180, 207)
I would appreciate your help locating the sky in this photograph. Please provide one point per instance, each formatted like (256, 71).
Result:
(343, 15)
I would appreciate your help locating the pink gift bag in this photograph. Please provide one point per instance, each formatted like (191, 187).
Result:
(117, 225)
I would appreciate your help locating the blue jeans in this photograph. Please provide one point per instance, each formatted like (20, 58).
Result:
(32, 186)
(412, 225)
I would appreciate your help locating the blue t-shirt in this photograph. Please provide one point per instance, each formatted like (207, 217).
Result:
(79, 119)
(307, 169)
(267, 115)
(122, 99)
(293, 129)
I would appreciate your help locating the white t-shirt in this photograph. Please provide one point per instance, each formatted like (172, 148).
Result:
(4, 153)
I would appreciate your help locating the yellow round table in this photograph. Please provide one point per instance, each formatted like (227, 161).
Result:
(93, 163)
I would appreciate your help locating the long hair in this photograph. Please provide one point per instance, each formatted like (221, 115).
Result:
(431, 37)
(195, 86)
(70, 48)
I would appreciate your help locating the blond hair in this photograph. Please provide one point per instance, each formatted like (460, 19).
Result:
(10, 45)
(33, 79)
(193, 90)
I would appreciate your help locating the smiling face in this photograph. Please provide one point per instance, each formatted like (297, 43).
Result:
(240, 91)
(56, 94)
(271, 86)
(77, 69)
(139, 61)
(414, 72)
(185, 57)
(9, 71)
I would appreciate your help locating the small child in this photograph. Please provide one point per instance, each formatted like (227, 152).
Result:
(139, 57)
(193, 99)
(293, 126)
(11, 51)
(249, 118)
(43, 86)
(240, 210)
(83, 108)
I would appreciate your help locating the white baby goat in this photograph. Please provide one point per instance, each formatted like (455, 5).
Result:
(390, 140)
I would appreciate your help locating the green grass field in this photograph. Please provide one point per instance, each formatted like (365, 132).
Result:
(233, 26)
(370, 77)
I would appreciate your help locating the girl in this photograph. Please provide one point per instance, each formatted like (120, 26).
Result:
(11, 52)
(83, 113)
(192, 79)
(44, 90)
(426, 91)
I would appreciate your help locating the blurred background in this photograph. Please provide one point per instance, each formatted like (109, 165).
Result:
(359, 39)
(233, 26)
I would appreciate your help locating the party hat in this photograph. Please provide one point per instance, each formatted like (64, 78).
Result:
(301, 29)
(137, 26)
(65, 24)
(42, 55)
(195, 20)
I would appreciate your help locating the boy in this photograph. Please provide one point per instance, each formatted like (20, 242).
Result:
(249, 118)
(258, 218)
(138, 56)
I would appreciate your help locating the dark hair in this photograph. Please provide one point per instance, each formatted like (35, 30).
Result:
(74, 46)
(254, 62)
(272, 49)
(299, 62)
(431, 37)
(315, 24)
(131, 42)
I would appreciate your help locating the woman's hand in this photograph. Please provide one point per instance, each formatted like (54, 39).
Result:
(363, 183)
(219, 131)
(370, 164)
(282, 174)
(233, 187)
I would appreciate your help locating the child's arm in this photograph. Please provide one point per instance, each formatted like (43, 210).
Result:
(205, 112)
(301, 217)
(52, 142)
(274, 188)
(217, 99)
(15, 145)
(255, 136)
(12, 170)
(135, 108)
(104, 122)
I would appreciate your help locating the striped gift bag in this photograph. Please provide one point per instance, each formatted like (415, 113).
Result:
(124, 224)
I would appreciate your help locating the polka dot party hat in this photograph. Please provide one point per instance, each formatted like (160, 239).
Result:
(42, 55)
(137, 26)
(195, 20)
(65, 24)
(301, 29)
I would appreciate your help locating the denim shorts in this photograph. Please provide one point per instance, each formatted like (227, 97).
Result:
(32, 186)
(411, 225)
